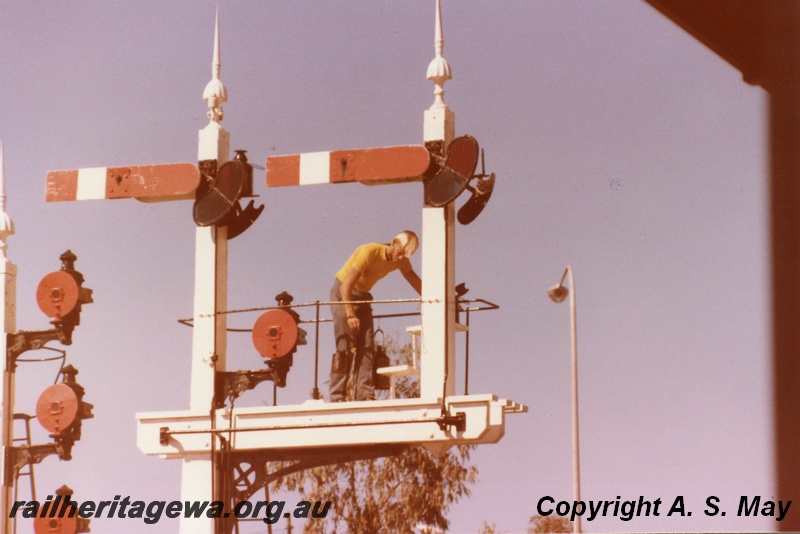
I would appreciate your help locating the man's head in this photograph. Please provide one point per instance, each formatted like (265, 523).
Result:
(403, 245)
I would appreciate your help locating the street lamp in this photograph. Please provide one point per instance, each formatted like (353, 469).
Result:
(558, 294)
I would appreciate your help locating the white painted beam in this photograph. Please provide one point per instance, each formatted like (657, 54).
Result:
(316, 424)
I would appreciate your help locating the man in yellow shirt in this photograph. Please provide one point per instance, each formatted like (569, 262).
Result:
(352, 321)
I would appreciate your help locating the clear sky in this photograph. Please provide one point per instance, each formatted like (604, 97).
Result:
(621, 146)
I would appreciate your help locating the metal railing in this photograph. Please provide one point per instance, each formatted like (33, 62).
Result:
(466, 306)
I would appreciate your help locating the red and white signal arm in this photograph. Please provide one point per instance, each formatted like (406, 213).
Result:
(149, 183)
(374, 166)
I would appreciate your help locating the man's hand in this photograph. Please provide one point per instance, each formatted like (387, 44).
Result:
(353, 324)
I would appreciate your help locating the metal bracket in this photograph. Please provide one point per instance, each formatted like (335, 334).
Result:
(231, 384)
(208, 174)
(243, 474)
(23, 341)
(19, 457)
(459, 420)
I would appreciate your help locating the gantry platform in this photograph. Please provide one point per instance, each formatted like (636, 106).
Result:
(469, 419)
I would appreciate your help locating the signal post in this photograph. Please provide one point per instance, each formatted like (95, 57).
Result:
(210, 297)
(8, 301)
(438, 246)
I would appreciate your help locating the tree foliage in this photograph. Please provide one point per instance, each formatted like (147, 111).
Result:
(538, 525)
(409, 492)
(542, 524)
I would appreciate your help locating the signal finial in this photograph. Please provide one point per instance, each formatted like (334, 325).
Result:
(439, 69)
(6, 224)
(215, 93)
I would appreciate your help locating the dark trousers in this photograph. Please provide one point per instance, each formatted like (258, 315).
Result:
(348, 347)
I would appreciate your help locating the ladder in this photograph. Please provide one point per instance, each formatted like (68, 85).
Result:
(22, 472)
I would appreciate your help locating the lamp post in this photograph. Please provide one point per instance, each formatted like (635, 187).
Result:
(558, 294)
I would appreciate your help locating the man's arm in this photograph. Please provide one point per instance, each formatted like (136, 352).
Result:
(346, 289)
(413, 280)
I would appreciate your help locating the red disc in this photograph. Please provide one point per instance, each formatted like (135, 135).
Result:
(57, 294)
(275, 334)
(57, 408)
(60, 525)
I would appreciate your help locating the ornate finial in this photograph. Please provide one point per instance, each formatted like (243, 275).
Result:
(6, 224)
(215, 93)
(439, 69)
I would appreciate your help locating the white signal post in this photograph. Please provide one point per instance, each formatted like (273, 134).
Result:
(438, 248)
(8, 296)
(210, 296)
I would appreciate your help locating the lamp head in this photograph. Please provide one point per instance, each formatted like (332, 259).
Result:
(558, 293)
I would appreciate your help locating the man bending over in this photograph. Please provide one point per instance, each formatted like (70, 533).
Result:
(352, 322)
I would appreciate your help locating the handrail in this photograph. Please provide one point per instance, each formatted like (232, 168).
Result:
(462, 305)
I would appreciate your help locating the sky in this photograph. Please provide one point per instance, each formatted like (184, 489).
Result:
(621, 145)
